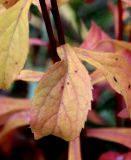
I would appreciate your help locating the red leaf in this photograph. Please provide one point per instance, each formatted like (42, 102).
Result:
(123, 113)
(94, 37)
(115, 156)
(127, 156)
(111, 156)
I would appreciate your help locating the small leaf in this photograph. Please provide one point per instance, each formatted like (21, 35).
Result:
(118, 135)
(29, 75)
(15, 39)
(38, 42)
(62, 99)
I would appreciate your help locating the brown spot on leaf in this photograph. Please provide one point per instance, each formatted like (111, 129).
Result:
(62, 87)
(115, 79)
(76, 71)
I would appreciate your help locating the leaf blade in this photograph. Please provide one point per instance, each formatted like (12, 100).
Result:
(14, 37)
(62, 99)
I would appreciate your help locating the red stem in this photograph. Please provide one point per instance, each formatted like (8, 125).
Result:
(120, 22)
(53, 44)
(57, 20)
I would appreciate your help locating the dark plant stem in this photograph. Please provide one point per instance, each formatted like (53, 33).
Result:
(53, 44)
(120, 21)
(57, 20)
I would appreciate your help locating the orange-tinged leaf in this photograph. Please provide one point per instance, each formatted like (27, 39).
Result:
(2, 1)
(114, 67)
(62, 99)
(9, 3)
(15, 121)
(10, 106)
(118, 135)
(74, 152)
(30, 75)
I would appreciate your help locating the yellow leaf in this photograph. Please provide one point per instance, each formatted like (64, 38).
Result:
(60, 2)
(14, 40)
(1, 1)
(2, 8)
(114, 67)
(62, 99)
